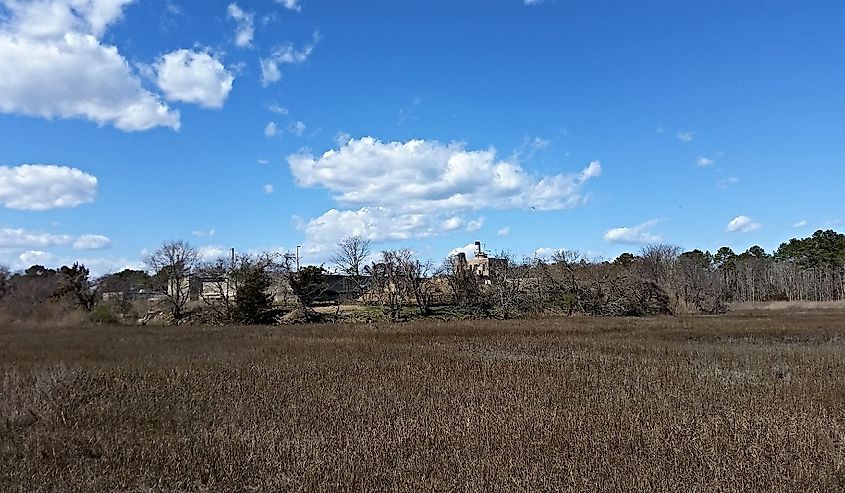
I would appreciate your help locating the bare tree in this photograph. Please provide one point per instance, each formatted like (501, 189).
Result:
(507, 279)
(173, 264)
(464, 283)
(350, 257)
(416, 276)
(388, 283)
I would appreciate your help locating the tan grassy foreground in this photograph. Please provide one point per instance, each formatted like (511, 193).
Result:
(752, 402)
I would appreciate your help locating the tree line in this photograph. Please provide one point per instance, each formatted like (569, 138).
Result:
(268, 287)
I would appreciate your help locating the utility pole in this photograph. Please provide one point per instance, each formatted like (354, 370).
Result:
(297, 257)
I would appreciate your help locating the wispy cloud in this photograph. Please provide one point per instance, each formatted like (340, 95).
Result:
(297, 128)
(727, 182)
(684, 136)
(244, 20)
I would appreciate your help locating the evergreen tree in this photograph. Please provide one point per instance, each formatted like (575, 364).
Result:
(254, 301)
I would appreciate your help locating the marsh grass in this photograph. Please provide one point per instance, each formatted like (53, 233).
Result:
(745, 402)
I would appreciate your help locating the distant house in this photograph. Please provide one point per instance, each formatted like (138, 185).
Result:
(216, 286)
(482, 265)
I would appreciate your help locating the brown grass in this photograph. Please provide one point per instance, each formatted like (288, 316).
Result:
(752, 402)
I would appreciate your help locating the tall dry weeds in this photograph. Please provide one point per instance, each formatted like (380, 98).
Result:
(736, 403)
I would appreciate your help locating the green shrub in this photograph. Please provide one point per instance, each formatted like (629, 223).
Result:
(102, 314)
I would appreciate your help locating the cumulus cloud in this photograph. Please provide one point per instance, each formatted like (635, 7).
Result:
(704, 162)
(98, 266)
(245, 22)
(271, 130)
(21, 238)
(452, 223)
(208, 253)
(475, 225)
(53, 64)
(285, 54)
(268, 189)
(33, 257)
(39, 187)
(742, 224)
(193, 77)
(92, 242)
(417, 189)
(469, 250)
(419, 175)
(546, 253)
(634, 235)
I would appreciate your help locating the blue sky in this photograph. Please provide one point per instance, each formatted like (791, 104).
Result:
(579, 124)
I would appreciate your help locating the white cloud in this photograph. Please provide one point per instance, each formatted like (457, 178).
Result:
(204, 233)
(271, 130)
(634, 235)
(703, 161)
(245, 21)
(546, 253)
(469, 250)
(285, 54)
(800, 224)
(727, 182)
(100, 266)
(532, 2)
(290, 4)
(92, 242)
(742, 224)
(506, 231)
(297, 128)
(475, 225)
(20, 238)
(39, 187)
(685, 137)
(262, 161)
(268, 189)
(33, 257)
(275, 108)
(194, 77)
(413, 189)
(419, 175)
(452, 223)
(54, 65)
(207, 253)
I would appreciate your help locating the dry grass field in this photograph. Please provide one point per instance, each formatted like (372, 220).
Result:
(751, 401)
